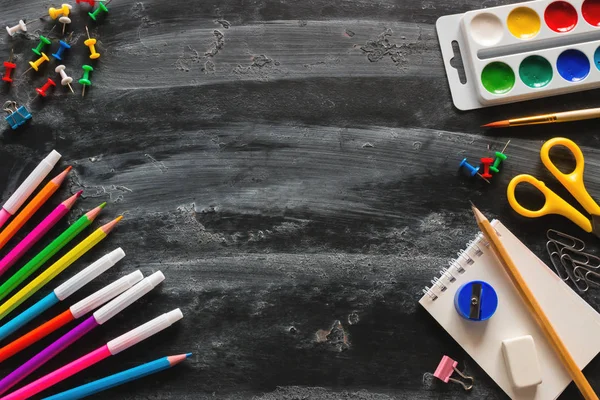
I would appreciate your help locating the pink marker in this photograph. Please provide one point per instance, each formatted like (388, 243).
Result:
(111, 348)
(38, 232)
(36, 177)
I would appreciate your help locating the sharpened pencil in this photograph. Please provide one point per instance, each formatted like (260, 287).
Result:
(533, 306)
(38, 232)
(52, 271)
(31, 208)
(120, 378)
(57, 244)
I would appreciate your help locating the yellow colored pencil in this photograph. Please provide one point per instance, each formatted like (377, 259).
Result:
(52, 271)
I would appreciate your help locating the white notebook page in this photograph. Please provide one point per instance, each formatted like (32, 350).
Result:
(576, 322)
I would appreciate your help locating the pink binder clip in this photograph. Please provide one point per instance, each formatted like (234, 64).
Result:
(444, 372)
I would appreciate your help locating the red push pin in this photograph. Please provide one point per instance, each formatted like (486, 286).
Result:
(9, 68)
(486, 167)
(42, 91)
(92, 3)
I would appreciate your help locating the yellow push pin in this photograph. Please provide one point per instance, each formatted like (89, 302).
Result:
(36, 64)
(64, 10)
(91, 43)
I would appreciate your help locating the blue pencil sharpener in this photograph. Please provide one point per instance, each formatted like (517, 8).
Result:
(476, 301)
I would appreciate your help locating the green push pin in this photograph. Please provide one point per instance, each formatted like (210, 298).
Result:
(500, 157)
(44, 41)
(85, 79)
(101, 7)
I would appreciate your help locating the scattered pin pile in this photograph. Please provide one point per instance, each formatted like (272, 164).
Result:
(18, 114)
(489, 165)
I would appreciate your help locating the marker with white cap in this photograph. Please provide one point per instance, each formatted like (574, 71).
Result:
(36, 176)
(63, 291)
(111, 348)
(99, 317)
(74, 312)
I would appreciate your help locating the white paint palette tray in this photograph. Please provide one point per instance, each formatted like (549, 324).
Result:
(521, 51)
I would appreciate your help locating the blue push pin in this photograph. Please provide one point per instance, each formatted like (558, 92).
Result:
(63, 46)
(471, 169)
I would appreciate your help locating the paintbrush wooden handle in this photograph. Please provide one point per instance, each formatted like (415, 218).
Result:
(534, 307)
(578, 115)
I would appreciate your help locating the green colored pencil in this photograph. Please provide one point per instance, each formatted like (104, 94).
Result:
(36, 262)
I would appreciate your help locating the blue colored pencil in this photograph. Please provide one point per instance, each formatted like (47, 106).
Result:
(119, 378)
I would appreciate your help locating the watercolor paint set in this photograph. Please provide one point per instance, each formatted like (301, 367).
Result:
(521, 51)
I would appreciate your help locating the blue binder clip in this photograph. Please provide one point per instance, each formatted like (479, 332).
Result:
(17, 116)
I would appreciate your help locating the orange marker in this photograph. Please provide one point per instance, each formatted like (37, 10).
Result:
(31, 208)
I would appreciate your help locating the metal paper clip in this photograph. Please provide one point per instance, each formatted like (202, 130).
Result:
(445, 370)
(586, 259)
(555, 259)
(581, 284)
(565, 240)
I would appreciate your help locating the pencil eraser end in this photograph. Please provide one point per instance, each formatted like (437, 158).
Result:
(116, 255)
(174, 315)
(156, 278)
(53, 157)
(520, 357)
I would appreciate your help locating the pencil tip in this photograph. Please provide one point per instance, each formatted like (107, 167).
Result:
(61, 177)
(497, 124)
(478, 214)
(93, 213)
(68, 203)
(188, 355)
(173, 360)
(109, 227)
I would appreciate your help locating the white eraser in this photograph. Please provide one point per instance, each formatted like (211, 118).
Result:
(522, 362)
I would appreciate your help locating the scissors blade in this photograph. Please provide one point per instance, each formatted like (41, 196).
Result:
(596, 224)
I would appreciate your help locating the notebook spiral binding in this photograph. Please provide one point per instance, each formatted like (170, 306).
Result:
(464, 259)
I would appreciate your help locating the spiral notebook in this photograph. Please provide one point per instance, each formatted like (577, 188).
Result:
(577, 323)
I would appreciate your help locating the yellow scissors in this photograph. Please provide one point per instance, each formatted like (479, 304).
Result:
(554, 204)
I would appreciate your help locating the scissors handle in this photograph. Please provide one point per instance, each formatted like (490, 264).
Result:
(553, 203)
(573, 182)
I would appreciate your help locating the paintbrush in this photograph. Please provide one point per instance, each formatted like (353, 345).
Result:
(567, 116)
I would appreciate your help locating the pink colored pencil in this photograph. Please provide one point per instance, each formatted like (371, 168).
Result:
(38, 232)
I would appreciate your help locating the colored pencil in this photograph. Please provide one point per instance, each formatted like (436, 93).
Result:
(111, 348)
(57, 244)
(32, 181)
(533, 306)
(567, 116)
(99, 317)
(63, 291)
(120, 378)
(38, 232)
(31, 208)
(52, 271)
(74, 312)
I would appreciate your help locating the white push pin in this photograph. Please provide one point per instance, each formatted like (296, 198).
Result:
(21, 26)
(64, 20)
(66, 80)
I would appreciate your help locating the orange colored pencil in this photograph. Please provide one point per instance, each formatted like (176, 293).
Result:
(32, 207)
